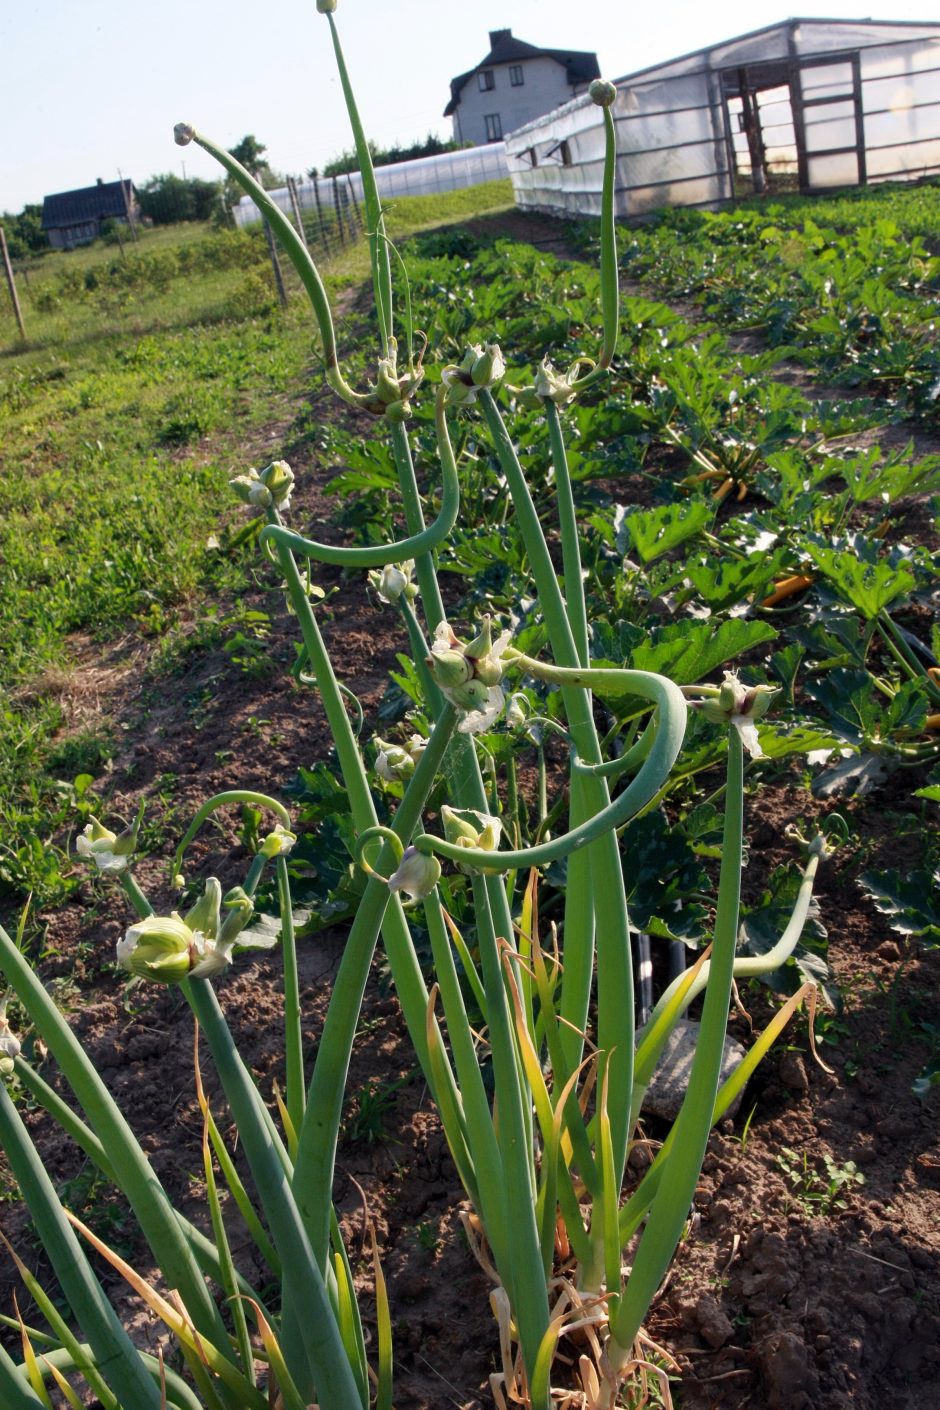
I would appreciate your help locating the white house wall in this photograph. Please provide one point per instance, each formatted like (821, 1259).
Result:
(545, 85)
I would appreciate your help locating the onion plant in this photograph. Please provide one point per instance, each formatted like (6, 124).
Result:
(542, 1148)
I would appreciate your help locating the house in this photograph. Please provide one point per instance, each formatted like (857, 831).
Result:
(514, 84)
(75, 217)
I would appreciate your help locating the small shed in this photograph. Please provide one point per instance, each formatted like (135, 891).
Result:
(73, 218)
(806, 104)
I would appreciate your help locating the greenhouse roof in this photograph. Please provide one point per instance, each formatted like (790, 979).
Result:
(874, 33)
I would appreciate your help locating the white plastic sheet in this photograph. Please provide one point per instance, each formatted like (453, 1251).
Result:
(836, 102)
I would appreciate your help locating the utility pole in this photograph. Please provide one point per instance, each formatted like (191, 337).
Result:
(11, 283)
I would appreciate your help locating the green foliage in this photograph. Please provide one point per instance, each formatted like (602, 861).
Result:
(430, 146)
(169, 199)
(819, 1192)
(912, 901)
(24, 232)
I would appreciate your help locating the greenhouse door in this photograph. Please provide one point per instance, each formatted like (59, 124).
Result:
(759, 128)
(827, 108)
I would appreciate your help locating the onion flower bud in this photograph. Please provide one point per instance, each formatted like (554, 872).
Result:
(278, 478)
(270, 487)
(390, 582)
(488, 368)
(161, 948)
(416, 875)
(742, 706)
(602, 92)
(277, 843)
(169, 949)
(517, 711)
(240, 908)
(183, 134)
(465, 827)
(459, 384)
(396, 762)
(469, 675)
(9, 1043)
(111, 852)
(251, 490)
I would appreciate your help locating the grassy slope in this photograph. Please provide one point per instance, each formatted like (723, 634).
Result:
(122, 420)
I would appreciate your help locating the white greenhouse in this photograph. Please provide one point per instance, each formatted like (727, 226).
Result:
(449, 171)
(806, 104)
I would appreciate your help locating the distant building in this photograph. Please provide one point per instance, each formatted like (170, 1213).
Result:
(514, 84)
(75, 217)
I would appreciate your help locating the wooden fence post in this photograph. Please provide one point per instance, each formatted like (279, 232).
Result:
(340, 223)
(298, 218)
(11, 283)
(275, 264)
(357, 212)
(323, 231)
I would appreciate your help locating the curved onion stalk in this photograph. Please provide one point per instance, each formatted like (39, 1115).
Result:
(656, 768)
(683, 991)
(224, 800)
(298, 254)
(378, 244)
(671, 1204)
(379, 555)
(135, 1175)
(114, 1357)
(634, 1211)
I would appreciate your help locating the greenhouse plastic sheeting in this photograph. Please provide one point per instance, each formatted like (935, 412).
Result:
(450, 171)
(810, 103)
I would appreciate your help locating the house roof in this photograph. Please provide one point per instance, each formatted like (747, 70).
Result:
(580, 65)
(97, 202)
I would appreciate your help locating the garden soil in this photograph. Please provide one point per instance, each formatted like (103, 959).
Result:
(785, 1294)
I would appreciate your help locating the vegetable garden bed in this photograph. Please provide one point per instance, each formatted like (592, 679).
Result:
(726, 517)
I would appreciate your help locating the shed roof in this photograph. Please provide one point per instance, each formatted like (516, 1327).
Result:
(580, 65)
(97, 202)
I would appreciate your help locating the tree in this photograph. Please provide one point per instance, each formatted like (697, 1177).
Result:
(250, 152)
(24, 232)
(430, 146)
(168, 198)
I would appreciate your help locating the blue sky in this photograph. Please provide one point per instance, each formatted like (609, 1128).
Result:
(94, 86)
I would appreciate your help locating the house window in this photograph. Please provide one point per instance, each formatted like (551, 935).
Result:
(515, 75)
(494, 127)
(486, 80)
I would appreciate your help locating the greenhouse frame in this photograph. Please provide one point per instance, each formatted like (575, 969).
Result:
(447, 171)
(804, 104)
